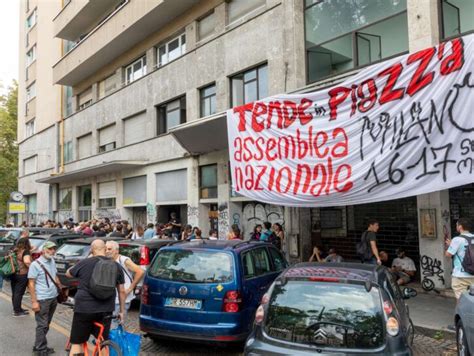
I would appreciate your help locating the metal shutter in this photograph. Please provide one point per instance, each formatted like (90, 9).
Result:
(135, 129)
(134, 190)
(172, 186)
(107, 190)
(107, 135)
(29, 165)
(85, 146)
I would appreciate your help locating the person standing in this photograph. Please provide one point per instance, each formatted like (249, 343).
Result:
(267, 233)
(175, 225)
(257, 232)
(19, 280)
(129, 269)
(234, 233)
(149, 232)
(42, 277)
(88, 309)
(461, 280)
(369, 240)
(118, 231)
(139, 233)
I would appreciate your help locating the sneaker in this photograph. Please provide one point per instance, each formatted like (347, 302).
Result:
(20, 314)
(48, 351)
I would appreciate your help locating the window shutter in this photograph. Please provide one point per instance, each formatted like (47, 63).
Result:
(107, 190)
(107, 135)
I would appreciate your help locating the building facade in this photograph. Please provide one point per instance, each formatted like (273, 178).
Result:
(139, 131)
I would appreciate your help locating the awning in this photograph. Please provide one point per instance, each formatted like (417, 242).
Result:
(203, 136)
(104, 168)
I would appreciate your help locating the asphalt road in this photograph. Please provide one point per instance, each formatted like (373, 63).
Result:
(17, 334)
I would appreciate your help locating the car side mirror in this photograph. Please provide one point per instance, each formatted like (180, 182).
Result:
(409, 293)
(471, 290)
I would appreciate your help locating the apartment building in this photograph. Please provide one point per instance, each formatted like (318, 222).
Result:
(139, 127)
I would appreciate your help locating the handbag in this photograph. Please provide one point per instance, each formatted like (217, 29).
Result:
(9, 265)
(63, 293)
(129, 343)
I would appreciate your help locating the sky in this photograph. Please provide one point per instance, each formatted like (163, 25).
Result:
(9, 34)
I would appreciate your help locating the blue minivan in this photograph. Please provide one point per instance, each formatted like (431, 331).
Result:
(206, 290)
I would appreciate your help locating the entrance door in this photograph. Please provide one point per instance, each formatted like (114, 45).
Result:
(139, 216)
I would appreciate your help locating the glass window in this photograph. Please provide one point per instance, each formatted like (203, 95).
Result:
(107, 147)
(261, 261)
(240, 8)
(279, 262)
(171, 114)
(206, 26)
(85, 196)
(107, 203)
(31, 55)
(31, 92)
(347, 315)
(171, 50)
(249, 86)
(73, 250)
(458, 17)
(208, 181)
(247, 263)
(68, 100)
(30, 128)
(193, 266)
(65, 199)
(68, 154)
(208, 100)
(31, 20)
(341, 35)
(136, 70)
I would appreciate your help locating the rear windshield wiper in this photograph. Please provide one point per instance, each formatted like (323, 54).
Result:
(60, 254)
(189, 280)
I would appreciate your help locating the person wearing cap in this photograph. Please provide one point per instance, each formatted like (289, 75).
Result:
(403, 267)
(43, 295)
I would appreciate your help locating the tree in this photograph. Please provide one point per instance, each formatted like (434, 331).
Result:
(8, 147)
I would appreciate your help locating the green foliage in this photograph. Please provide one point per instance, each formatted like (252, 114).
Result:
(8, 147)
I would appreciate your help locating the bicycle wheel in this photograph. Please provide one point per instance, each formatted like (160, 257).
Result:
(108, 345)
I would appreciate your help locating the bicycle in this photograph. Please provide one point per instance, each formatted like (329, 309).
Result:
(102, 347)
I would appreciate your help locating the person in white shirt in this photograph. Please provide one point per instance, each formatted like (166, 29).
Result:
(403, 267)
(132, 272)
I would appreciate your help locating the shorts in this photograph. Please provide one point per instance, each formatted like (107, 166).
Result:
(83, 326)
(461, 284)
(402, 276)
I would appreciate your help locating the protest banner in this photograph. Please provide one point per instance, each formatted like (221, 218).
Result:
(399, 128)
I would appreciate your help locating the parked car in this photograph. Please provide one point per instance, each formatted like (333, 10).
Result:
(8, 237)
(347, 308)
(464, 321)
(206, 290)
(73, 251)
(37, 241)
(142, 252)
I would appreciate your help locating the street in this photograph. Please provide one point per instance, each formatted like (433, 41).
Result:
(23, 328)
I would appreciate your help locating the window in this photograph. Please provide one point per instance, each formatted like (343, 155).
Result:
(31, 92)
(171, 114)
(31, 55)
(30, 128)
(171, 50)
(256, 262)
(359, 33)
(30, 165)
(279, 262)
(65, 199)
(68, 156)
(134, 129)
(107, 195)
(208, 100)
(172, 186)
(67, 98)
(458, 17)
(239, 8)
(84, 194)
(107, 86)
(208, 181)
(85, 99)
(107, 138)
(136, 70)
(31, 20)
(249, 86)
(84, 146)
(206, 26)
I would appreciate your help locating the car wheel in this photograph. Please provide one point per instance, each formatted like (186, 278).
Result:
(461, 340)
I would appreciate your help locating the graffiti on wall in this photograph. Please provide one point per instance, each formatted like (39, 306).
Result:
(150, 212)
(111, 214)
(258, 213)
(223, 220)
(193, 215)
(64, 215)
(431, 269)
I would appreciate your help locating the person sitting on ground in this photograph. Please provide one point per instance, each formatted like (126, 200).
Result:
(403, 267)
(332, 257)
(385, 259)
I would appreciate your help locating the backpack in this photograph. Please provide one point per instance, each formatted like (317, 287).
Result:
(275, 240)
(468, 260)
(104, 279)
(362, 247)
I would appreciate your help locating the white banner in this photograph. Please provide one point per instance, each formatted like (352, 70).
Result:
(399, 128)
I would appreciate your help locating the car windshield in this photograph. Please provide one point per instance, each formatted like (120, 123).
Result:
(131, 251)
(193, 266)
(36, 242)
(9, 235)
(73, 250)
(322, 314)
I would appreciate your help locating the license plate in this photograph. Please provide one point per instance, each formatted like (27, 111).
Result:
(183, 303)
(60, 266)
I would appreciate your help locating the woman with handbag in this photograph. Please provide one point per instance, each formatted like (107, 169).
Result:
(19, 280)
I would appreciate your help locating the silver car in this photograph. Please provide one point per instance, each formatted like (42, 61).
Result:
(464, 321)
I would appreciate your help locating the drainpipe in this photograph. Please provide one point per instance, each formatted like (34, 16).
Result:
(61, 115)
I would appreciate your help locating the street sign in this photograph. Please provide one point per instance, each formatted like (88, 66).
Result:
(16, 208)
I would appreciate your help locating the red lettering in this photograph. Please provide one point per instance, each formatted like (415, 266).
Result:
(329, 177)
(354, 99)
(271, 144)
(304, 117)
(249, 183)
(239, 177)
(259, 177)
(318, 145)
(420, 79)
(274, 106)
(247, 154)
(288, 179)
(289, 117)
(348, 185)
(455, 60)
(336, 97)
(317, 168)
(299, 175)
(343, 145)
(259, 109)
(271, 179)
(367, 103)
(388, 93)
(302, 145)
(238, 149)
(258, 145)
(241, 111)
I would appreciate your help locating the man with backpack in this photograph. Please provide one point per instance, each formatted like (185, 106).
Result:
(461, 250)
(99, 278)
(367, 246)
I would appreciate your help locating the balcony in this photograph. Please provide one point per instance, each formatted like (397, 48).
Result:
(127, 27)
(78, 17)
